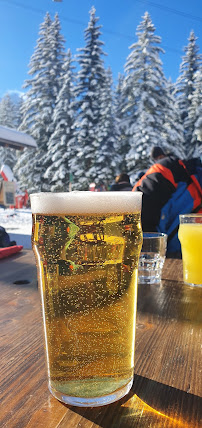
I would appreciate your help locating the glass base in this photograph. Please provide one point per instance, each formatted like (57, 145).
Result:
(150, 268)
(149, 279)
(92, 401)
(192, 284)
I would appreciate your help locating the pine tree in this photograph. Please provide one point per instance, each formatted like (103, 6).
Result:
(37, 111)
(106, 159)
(122, 142)
(62, 143)
(8, 117)
(90, 79)
(185, 89)
(173, 130)
(7, 112)
(195, 114)
(18, 111)
(147, 101)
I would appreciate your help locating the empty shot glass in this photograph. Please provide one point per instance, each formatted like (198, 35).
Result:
(152, 257)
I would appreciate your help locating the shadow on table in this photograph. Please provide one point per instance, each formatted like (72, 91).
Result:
(149, 404)
(17, 274)
(176, 301)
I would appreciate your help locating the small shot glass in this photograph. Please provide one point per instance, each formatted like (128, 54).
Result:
(152, 257)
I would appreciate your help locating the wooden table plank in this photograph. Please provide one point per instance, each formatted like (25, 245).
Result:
(167, 388)
(169, 334)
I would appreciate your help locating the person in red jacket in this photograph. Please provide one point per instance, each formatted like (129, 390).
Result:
(170, 187)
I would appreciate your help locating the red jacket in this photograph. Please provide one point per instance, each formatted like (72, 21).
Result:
(170, 187)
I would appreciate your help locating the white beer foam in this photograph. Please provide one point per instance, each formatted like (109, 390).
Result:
(86, 202)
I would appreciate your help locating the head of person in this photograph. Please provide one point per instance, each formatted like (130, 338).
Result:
(122, 178)
(157, 153)
(140, 175)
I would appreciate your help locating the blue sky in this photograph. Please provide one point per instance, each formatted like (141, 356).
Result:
(20, 21)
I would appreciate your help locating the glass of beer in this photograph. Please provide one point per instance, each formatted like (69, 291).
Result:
(87, 247)
(190, 236)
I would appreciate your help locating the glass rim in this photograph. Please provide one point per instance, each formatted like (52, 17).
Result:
(81, 192)
(154, 235)
(190, 215)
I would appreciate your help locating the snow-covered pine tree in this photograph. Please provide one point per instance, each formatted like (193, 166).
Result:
(144, 87)
(106, 159)
(90, 79)
(18, 111)
(185, 84)
(61, 145)
(57, 47)
(195, 113)
(122, 144)
(7, 112)
(8, 117)
(45, 69)
(173, 130)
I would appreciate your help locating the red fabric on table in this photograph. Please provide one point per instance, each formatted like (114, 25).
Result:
(8, 251)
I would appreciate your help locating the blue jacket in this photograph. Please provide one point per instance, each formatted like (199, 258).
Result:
(170, 187)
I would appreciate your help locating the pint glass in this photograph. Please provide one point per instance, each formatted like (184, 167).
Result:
(87, 247)
(190, 236)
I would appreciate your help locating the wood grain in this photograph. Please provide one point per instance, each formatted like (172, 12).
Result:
(167, 384)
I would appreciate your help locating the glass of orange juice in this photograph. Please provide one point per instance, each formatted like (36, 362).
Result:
(190, 236)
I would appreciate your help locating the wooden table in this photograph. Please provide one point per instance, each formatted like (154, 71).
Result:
(167, 382)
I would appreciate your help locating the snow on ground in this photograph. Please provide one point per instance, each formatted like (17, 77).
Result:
(18, 224)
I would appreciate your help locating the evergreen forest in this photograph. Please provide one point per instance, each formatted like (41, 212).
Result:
(89, 129)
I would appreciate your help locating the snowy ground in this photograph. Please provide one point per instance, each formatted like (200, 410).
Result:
(18, 224)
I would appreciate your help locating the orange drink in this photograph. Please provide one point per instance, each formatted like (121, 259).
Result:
(190, 236)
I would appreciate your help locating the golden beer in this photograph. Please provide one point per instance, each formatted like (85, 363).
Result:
(87, 252)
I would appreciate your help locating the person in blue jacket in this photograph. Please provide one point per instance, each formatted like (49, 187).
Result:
(170, 187)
